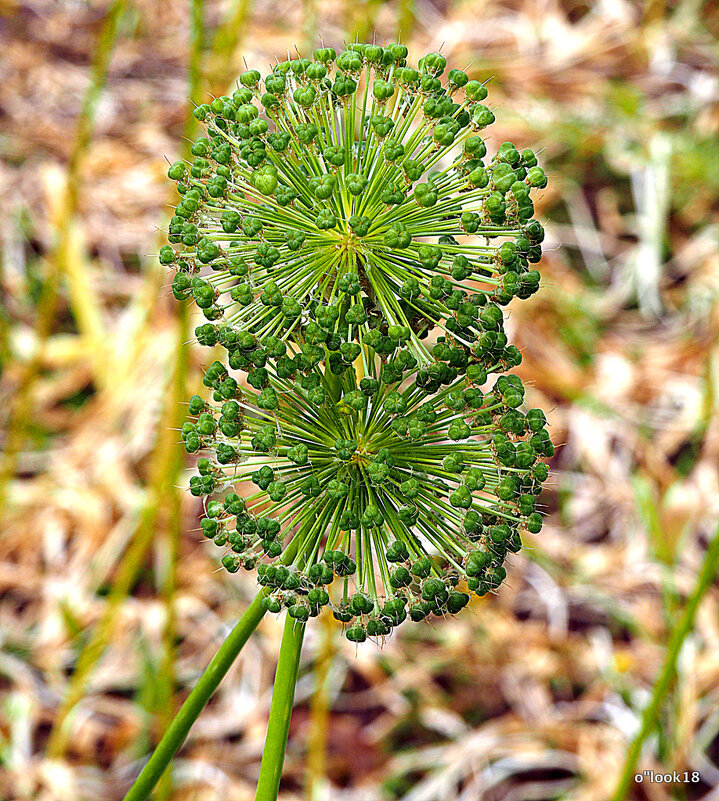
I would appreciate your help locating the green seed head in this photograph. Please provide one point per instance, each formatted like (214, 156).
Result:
(351, 247)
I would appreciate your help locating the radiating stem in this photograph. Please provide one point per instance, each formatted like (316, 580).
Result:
(283, 696)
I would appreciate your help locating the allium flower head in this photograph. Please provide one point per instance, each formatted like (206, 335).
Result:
(351, 246)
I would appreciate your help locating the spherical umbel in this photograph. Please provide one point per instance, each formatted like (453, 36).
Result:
(335, 214)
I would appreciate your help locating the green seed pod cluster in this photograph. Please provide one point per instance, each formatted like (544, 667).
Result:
(351, 247)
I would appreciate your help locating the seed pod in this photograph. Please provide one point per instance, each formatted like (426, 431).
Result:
(321, 265)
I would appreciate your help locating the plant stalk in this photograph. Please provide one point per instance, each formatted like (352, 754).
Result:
(664, 682)
(196, 701)
(283, 696)
(320, 713)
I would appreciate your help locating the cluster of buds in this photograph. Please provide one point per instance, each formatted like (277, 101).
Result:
(351, 246)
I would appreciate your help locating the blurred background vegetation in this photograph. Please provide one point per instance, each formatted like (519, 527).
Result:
(110, 605)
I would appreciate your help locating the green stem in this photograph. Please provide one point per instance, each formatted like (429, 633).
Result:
(196, 701)
(334, 384)
(663, 684)
(320, 713)
(283, 696)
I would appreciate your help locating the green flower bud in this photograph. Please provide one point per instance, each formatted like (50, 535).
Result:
(425, 195)
(433, 63)
(457, 601)
(304, 96)
(383, 90)
(167, 255)
(392, 150)
(458, 430)
(349, 61)
(325, 220)
(536, 177)
(356, 633)
(372, 517)
(398, 236)
(355, 184)
(481, 116)
(476, 91)
(457, 78)
(345, 448)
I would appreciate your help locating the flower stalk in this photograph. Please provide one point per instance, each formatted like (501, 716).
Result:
(196, 701)
(283, 696)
